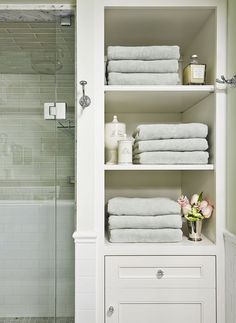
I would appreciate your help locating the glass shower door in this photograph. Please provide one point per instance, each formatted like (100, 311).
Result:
(36, 196)
(65, 169)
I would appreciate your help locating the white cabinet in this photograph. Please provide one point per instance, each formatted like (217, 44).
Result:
(164, 306)
(127, 280)
(160, 289)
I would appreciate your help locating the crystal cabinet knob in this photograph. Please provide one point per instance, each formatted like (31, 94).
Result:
(110, 310)
(160, 274)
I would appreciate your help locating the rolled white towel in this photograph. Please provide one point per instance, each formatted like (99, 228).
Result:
(172, 157)
(145, 235)
(145, 222)
(143, 52)
(170, 131)
(143, 78)
(142, 206)
(137, 66)
(193, 144)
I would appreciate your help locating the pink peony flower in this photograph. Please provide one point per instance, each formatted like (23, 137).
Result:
(186, 209)
(183, 201)
(194, 199)
(207, 211)
(203, 205)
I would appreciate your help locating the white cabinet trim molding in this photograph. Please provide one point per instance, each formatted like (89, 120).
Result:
(85, 237)
(230, 237)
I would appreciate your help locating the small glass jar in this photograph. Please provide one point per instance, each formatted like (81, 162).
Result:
(125, 151)
(194, 73)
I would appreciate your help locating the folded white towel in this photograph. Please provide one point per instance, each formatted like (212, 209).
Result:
(145, 235)
(145, 222)
(193, 144)
(142, 206)
(143, 52)
(137, 66)
(170, 131)
(172, 157)
(143, 78)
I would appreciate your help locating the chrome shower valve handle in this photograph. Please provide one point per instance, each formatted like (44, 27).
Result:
(85, 100)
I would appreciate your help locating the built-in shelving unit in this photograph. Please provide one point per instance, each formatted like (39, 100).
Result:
(195, 27)
(204, 247)
(131, 167)
(138, 104)
(154, 99)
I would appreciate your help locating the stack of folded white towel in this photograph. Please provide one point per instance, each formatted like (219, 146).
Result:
(183, 143)
(144, 220)
(147, 65)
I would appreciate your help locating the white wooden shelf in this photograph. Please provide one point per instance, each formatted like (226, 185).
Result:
(158, 167)
(159, 88)
(153, 99)
(185, 247)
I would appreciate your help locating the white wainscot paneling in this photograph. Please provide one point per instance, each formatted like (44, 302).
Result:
(230, 267)
(85, 277)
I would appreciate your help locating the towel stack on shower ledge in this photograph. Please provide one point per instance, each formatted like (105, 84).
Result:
(183, 143)
(144, 220)
(143, 65)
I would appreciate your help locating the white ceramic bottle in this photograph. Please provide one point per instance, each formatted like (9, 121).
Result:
(114, 131)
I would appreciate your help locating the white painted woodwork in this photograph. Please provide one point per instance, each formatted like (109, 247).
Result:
(132, 272)
(185, 247)
(137, 22)
(230, 237)
(230, 268)
(154, 99)
(85, 277)
(164, 305)
(159, 167)
(231, 119)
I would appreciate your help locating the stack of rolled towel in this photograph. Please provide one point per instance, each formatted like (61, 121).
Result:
(144, 220)
(183, 143)
(148, 65)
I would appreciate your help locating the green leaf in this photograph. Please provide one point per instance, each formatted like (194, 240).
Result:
(200, 198)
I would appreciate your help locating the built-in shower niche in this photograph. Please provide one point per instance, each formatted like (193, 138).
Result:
(169, 184)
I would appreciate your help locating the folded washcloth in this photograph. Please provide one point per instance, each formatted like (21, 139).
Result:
(145, 222)
(172, 157)
(143, 52)
(145, 235)
(170, 131)
(143, 78)
(142, 206)
(135, 66)
(193, 144)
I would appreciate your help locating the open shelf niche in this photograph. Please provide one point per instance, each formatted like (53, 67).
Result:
(169, 184)
(134, 105)
(189, 28)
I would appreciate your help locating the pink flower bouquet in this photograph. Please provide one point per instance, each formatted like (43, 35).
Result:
(196, 209)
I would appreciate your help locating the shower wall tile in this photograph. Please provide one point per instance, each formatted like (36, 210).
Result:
(27, 253)
(28, 143)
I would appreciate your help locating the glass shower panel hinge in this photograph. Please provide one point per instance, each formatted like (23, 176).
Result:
(55, 111)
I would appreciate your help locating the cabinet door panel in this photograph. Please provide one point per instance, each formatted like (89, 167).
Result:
(160, 306)
(160, 312)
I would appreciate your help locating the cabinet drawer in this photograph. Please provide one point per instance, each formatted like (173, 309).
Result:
(160, 272)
